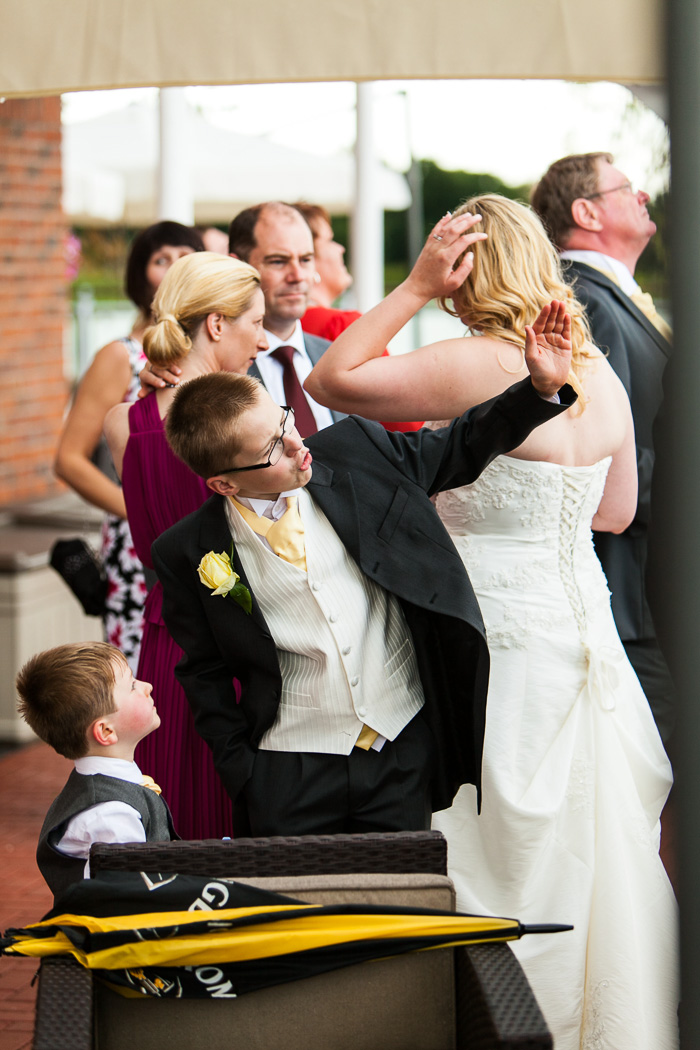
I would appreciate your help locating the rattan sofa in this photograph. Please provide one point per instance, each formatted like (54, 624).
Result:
(476, 998)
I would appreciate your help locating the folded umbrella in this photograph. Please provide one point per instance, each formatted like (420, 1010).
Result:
(230, 939)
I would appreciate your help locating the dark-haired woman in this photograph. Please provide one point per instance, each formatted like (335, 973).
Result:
(112, 378)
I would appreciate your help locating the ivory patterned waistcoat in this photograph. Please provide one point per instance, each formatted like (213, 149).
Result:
(344, 649)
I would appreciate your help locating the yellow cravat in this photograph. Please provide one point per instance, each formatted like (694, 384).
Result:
(285, 536)
(646, 304)
(149, 782)
(366, 738)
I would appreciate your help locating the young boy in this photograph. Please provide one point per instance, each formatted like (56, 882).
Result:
(83, 700)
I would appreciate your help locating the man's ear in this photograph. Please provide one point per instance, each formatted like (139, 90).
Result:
(585, 215)
(222, 486)
(233, 255)
(103, 732)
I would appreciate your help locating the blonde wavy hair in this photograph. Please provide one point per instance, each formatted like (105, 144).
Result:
(194, 287)
(516, 272)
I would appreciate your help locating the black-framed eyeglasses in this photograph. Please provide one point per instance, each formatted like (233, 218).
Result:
(627, 186)
(277, 448)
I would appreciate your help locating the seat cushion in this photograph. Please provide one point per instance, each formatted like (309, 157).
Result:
(401, 1003)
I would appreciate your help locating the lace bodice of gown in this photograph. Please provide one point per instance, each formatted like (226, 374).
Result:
(524, 529)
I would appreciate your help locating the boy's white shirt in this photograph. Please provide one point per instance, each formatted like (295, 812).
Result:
(106, 821)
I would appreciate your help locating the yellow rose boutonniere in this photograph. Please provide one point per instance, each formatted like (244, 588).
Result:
(217, 573)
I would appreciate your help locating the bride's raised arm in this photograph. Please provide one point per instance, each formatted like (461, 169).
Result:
(443, 379)
(352, 375)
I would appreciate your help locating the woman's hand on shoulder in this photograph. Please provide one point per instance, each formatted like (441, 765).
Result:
(548, 348)
(152, 377)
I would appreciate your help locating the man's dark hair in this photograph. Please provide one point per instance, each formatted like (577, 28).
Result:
(144, 244)
(564, 182)
(241, 232)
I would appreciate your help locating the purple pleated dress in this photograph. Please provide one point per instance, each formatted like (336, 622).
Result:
(159, 490)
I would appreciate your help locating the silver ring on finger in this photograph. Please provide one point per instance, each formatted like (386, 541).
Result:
(437, 236)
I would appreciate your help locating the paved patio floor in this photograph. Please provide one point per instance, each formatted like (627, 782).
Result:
(30, 779)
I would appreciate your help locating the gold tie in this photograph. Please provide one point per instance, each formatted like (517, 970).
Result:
(646, 304)
(149, 782)
(285, 536)
(366, 738)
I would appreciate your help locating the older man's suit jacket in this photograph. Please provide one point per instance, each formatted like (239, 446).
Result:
(315, 346)
(374, 488)
(639, 354)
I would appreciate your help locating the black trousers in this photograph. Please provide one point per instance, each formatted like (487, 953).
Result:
(306, 793)
(655, 678)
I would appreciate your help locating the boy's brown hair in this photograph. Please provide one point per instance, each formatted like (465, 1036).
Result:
(202, 425)
(62, 691)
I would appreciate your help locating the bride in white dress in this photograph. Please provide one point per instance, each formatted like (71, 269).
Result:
(574, 772)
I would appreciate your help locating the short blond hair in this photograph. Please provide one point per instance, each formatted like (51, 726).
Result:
(516, 272)
(194, 287)
(62, 691)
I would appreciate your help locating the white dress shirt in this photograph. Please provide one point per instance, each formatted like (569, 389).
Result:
(106, 821)
(271, 371)
(613, 268)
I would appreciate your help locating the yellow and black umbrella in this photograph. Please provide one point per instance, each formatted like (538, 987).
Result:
(230, 939)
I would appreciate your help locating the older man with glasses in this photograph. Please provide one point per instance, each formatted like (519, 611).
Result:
(601, 224)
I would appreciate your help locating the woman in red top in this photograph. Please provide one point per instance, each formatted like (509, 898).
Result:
(333, 279)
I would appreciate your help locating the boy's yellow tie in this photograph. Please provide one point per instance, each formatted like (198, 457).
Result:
(149, 782)
(285, 536)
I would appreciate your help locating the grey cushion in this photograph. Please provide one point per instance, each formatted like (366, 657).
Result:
(403, 1003)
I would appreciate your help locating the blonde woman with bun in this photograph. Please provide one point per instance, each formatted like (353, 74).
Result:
(207, 317)
(574, 774)
(113, 377)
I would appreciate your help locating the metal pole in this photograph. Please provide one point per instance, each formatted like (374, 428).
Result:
(84, 315)
(368, 215)
(683, 550)
(414, 217)
(175, 199)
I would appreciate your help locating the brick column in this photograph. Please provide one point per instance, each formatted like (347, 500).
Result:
(33, 299)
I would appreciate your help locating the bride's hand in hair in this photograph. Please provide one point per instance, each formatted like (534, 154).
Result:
(548, 348)
(434, 273)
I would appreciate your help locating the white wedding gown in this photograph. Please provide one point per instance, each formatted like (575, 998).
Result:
(575, 775)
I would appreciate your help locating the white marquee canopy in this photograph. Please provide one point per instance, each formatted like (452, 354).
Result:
(49, 48)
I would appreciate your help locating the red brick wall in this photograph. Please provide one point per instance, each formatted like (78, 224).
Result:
(33, 297)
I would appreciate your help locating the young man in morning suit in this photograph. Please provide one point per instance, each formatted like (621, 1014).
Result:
(602, 226)
(350, 623)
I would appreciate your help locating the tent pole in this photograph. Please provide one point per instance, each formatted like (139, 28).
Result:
(684, 553)
(174, 182)
(368, 216)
